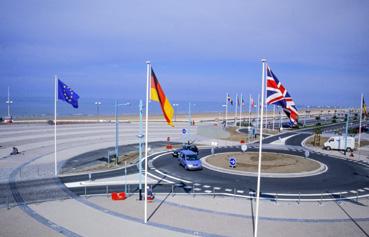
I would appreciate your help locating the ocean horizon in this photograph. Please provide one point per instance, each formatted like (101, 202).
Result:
(29, 107)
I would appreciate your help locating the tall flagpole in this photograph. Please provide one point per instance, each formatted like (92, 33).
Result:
(260, 150)
(146, 131)
(361, 116)
(250, 110)
(258, 117)
(226, 113)
(55, 104)
(240, 111)
(235, 110)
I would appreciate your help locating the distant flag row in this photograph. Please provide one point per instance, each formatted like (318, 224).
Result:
(240, 101)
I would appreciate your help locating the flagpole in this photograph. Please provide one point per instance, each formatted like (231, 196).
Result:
(361, 116)
(55, 104)
(260, 150)
(148, 66)
(240, 111)
(258, 117)
(226, 113)
(249, 110)
(235, 110)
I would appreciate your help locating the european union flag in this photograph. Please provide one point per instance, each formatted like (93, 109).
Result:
(67, 94)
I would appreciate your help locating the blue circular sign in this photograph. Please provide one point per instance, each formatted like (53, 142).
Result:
(184, 131)
(232, 161)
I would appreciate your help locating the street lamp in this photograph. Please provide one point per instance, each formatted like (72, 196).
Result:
(117, 129)
(9, 102)
(98, 103)
(175, 112)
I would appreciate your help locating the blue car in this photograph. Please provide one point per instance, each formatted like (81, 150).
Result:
(189, 160)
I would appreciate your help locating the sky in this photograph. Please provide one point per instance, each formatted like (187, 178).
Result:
(200, 50)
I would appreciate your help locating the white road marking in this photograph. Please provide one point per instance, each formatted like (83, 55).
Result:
(228, 190)
(158, 178)
(361, 190)
(240, 191)
(167, 175)
(207, 191)
(206, 186)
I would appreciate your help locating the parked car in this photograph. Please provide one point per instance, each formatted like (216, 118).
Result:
(338, 143)
(190, 147)
(189, 160)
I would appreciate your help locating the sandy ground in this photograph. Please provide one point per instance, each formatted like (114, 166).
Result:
(272, 162)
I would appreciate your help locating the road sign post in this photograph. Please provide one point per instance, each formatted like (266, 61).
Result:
(232, 162)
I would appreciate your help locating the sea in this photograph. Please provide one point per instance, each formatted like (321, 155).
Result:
(43, 107)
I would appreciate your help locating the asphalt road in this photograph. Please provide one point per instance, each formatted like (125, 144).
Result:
(342, 176)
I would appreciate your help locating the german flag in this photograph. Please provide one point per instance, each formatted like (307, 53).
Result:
(157, 94)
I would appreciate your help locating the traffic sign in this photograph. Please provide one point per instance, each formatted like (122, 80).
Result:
(307, 153)
(184, 131)
(232, 162)
(244, 147)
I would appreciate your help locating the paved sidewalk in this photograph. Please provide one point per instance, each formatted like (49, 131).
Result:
(206, 216)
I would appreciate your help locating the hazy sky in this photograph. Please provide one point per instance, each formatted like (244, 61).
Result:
(199, 49)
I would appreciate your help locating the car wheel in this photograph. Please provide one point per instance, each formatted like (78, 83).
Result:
(348, 149)
(328, 148)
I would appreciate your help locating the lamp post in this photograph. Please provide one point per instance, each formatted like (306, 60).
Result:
(9, 102)
(117, 129)
(175, 112)
(140, 137)
(98, 103)
(189, 120)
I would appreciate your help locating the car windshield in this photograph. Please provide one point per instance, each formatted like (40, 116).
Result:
(191, 157)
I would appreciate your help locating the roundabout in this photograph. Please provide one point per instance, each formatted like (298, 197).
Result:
(274, 165)
(288, 175)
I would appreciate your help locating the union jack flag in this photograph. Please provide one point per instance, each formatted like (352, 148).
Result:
(278, 95)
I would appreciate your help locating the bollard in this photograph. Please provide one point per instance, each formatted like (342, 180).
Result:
(38, 171)
(276, 198)
(321, 199)
(7, 202)
(299, 198)
(234, 193)
(193, 190)
(214, 192)
(107, 191)
(85, 191)
(172, 190)
(129, 188)
(357, 197)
